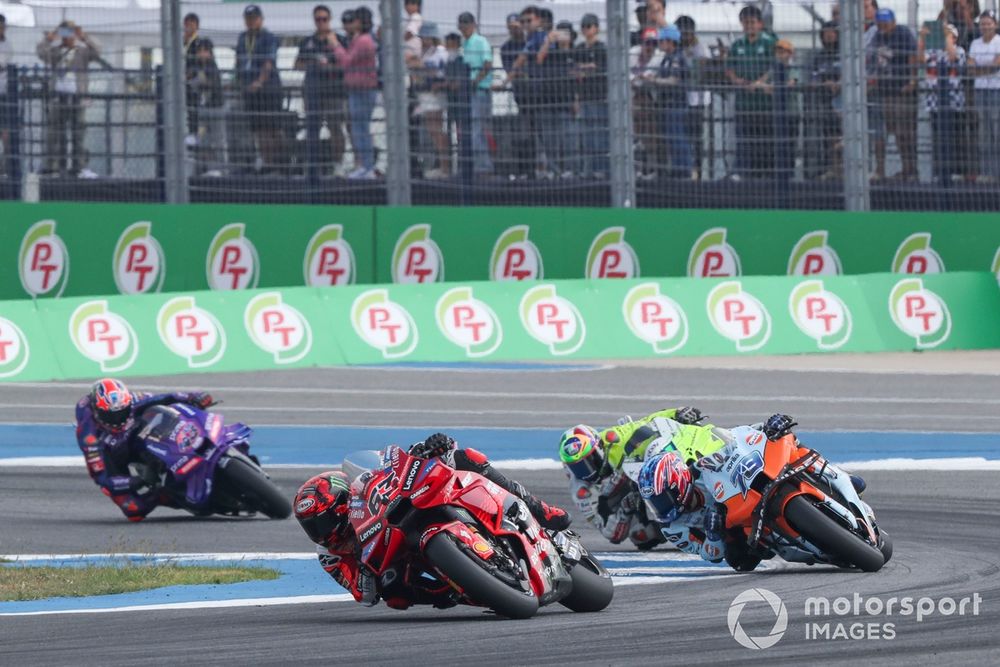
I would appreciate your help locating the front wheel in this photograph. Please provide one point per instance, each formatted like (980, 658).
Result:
(592, 586)
(241, 480)
(481, 587)
(832, 537)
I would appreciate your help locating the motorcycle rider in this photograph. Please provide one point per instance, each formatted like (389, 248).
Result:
(105, 426)
(606, 497)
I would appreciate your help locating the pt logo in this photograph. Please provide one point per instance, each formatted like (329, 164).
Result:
(14, 348)
(138, 263)
(820, 314)
(277, 328)
(191, 332)
(329, 259)
(103, 336)
(514, 257)
(655, 318)
(43, 262)
(739, 316)
(920, 313)
(915, 255)
(384, 324)
(811, 256)
(712, 257)
(416, 257)
(552, 320)
(232, 261)
(468, 322)
(610, 256)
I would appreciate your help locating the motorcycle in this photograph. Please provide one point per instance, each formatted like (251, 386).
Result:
(469, 535)
(198, 463)
(785, 499)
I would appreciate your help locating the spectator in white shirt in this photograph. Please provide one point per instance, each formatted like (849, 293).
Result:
(984, 60)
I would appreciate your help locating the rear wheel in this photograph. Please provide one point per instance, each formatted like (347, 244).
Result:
(832, 537)
(885, 545)
(468, 572)
(240, 480)
(592, 587)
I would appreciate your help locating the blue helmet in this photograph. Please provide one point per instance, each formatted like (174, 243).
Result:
(666, 485)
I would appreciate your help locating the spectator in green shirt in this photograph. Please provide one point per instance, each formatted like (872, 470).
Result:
(478, 55)
(750, 58)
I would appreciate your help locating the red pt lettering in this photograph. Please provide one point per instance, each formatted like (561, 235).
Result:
(272, 320)
(378, 318)
(463, 317)
(514, 258)
(328, 258)
(711, 263)
(546, 313)
(916, 264)
(4, 344)
(98, 329)
(610, 259)
(231, 255)
(415, 257)
(651, 311)
(42, 253)
(185, 325)
(733, 312)
(137, 254)
(814, 264)
(816, 309)
(915, 304)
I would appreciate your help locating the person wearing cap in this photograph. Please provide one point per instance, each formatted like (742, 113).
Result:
(522, 139)
(651, 152)
(895, 87)
(984, 54)
(67, 52)
(359, 62)
(478, 55)
(699, 99)
(428, 82)
(558, 123)
(8, 112)
(825, 103)
(672, 83)
(944, 99)
(260, 85)
(592, 73)
(323, 93)
(750, 57)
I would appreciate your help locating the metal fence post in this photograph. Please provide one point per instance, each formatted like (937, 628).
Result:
(854, 107)
(620, 107)
(397, 171)
(175, 182)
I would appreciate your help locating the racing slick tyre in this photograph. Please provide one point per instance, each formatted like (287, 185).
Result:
(592, 587)
(475, 580)
(253, 488)
(830, 536)
(885, 545)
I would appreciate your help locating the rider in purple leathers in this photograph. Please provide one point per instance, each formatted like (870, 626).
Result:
(105, 423)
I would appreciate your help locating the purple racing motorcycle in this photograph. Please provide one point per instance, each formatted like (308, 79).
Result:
(200, 464)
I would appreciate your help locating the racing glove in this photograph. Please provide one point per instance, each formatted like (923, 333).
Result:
(713, 524)
(778, 425)
(201, 399)
(437, 444)
(688, 415)
(631, 502)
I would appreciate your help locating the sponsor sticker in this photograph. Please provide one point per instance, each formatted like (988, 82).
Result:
(138, 263)
(43, 261)
(812, 256)
(304, 504)
(515, 257)
(712, 257)
(329, 259)
(232, 261)
(103, 336)
(384, 324)
(14, 348)
(915, 255)
(820, 314)
(191, 332)
(611, 256)
(739, 316)
(416, 257)
(468, 322)
(277, 328)
(920, 313)
(655, 318)
(552, 320)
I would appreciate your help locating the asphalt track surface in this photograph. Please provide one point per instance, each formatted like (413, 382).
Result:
(945, 525)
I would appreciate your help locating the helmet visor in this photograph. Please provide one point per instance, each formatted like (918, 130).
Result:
(663, 508)
(587, 469)
(321, 527)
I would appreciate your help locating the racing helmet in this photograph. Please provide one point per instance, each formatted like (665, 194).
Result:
(111, 404)
(321, 508)
(666, 485)
(581, 451)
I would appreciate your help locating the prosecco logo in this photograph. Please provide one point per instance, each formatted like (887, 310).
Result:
(232, 261)
(416, 257)
(103, 336)
(515, 257)
(552, 320)
(277, 328)
(655, 318)
(468, 322)
(915, 255)
(329, 259)
(812, 256)
(191, 332)
(139, 264)
(43, 261)
(820, 314)
(14, 348)
(739, 316)
(384, 324)
(610, 256)
(920, 313)
(712, 257)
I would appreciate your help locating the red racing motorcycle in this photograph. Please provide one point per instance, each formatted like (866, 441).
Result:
(478, 539)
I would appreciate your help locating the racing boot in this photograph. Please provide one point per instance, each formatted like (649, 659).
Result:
(549, 516)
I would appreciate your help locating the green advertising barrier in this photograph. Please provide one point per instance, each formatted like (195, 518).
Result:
(496, 321)
(88, 249)
(461, 244)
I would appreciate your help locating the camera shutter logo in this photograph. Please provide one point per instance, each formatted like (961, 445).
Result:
(777, 608)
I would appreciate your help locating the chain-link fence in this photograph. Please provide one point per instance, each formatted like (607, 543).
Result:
(708, 104)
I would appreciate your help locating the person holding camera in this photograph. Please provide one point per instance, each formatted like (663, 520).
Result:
(323, 91)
